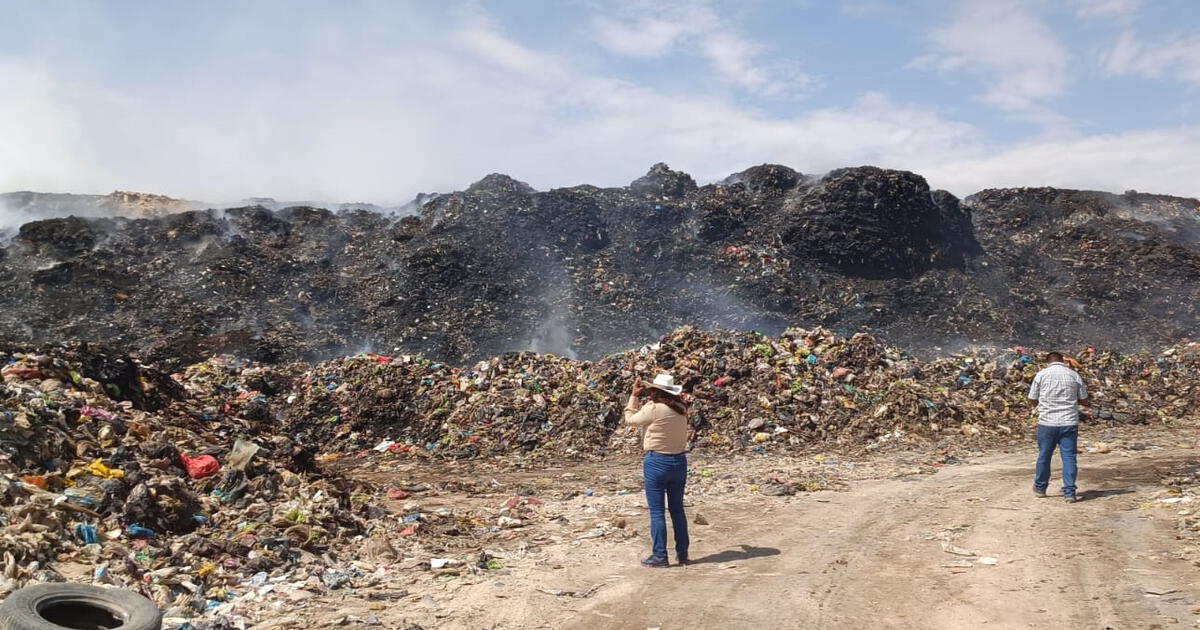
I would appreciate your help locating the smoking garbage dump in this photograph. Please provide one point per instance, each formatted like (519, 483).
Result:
(585, 271)
(218, 491)
(210, 454)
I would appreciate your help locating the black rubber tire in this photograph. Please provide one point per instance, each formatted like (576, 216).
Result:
(75, 604)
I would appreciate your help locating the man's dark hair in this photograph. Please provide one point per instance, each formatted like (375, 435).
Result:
(1054, 357)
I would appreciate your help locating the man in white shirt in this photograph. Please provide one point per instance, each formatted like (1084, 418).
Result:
(1058, 391)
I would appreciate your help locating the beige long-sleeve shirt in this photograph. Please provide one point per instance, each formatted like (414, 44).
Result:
(664, 430)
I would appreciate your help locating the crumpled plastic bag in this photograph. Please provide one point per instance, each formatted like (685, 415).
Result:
(241, 454)
(200, 467)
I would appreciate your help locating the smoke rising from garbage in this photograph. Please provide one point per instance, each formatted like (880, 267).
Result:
(585, 271)
(554, 337)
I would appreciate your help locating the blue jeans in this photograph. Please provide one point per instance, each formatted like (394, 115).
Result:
(666, 475)
(1066, 439)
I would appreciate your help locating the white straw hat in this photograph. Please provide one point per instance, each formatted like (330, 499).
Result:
(666, 382)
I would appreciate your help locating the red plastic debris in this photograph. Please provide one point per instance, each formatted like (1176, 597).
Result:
(22, 372)
(200, 467)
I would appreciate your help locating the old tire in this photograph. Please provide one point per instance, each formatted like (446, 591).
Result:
(77, 606)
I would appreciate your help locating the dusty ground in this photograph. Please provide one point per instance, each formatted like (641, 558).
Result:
(871, 555)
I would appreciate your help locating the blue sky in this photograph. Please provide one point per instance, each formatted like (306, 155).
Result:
(376, 101)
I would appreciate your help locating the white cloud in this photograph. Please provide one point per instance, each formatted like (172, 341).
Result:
(1165, 161)
(712, 139)
(656, 29)
(652, 36)
(1018, 57)
(1113, 9)
(733, 59)
(1176, 56)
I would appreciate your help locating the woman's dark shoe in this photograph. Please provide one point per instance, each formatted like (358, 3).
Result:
(681, 560)
(654, 562)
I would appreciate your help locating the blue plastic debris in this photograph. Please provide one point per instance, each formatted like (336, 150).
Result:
(87, 533)
(137, 531)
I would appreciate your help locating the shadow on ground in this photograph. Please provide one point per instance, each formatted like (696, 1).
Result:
(732, 555)
(1088, 495)
(1126, 472)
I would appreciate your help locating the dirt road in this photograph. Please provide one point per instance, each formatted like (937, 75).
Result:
(873, 557)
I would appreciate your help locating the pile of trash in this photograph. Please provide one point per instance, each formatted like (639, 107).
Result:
(210, 490)
(584, 271)
(1082, 258)
(106, 463)
(749, 391)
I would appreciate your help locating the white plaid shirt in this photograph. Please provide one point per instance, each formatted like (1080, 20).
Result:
(1058, 390)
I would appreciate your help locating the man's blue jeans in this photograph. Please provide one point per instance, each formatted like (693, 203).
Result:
(1066, 439)
(666, 476)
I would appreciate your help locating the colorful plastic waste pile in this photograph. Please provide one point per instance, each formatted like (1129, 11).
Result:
(748, 391)
(109, 464)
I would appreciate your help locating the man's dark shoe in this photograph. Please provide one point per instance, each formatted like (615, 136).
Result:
(1071, 499)
(654, 562)
(1039, 494)
(681, 560)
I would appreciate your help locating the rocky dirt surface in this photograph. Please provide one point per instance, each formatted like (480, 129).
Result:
(584, 271)
(911, 540)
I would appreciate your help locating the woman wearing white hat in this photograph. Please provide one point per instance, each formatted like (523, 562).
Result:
(663, 421)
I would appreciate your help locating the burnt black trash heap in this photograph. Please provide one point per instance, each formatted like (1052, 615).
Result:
(583, 271)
